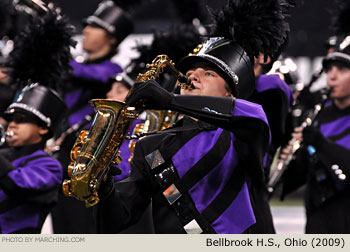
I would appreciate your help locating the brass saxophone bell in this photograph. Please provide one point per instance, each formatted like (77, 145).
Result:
(95, 149)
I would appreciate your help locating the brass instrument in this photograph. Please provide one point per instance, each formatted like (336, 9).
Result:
(97, 149)
(4, 134)
(157, 67)
(159, 120)
(279, 165)
(156, 120)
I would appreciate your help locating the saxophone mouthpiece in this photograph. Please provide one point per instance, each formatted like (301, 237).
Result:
(186, 83)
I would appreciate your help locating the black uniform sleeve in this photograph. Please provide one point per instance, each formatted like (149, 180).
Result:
(331, 154)
(296, 173)
(5, 166)
(275, 105)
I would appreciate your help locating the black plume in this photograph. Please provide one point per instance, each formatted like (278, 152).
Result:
(178, 42)
(127, 4)
(6, 9)
(258, 26)
(341, 20)
(187, 10)
(42, 51)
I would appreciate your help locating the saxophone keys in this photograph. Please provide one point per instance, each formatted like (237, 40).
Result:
(83, 136)
(92, 200)
(117, 159)
(74, 153)
(131, 112)
(66, 187)
(70, 169)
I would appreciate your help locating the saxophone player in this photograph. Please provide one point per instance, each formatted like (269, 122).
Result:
(323, 163)
(123, 82)
(205, 174)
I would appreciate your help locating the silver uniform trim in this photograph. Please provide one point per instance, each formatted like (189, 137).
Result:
(210, 44)
(172, 194)
(193, 228)
(345, 43)
(337, 55)
(100, 22)
(155, 159)
(34, 111)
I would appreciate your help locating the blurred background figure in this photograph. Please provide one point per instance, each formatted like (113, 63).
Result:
(323, 161)
(103, 31)
(37, 65)
(8, 29)
(29, 178)
(276, 98)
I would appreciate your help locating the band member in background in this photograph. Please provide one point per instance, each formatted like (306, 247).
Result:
(104, 30)
(205, 174)
(276, 98)
(29, 178)
(323, 162)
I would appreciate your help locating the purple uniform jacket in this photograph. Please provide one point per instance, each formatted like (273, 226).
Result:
(28, 189)
(89, 81)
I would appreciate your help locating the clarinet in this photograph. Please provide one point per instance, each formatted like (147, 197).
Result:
(279, 165)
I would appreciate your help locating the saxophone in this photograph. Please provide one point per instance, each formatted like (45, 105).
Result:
(156, 120)
(97, 149)
(279, 165)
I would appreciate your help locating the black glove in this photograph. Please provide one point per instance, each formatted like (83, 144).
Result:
(149, 95)
(312, 136)
(107, 185)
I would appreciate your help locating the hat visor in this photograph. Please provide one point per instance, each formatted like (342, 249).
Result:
(336, 56)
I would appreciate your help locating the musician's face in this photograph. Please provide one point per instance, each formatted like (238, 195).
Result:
(118, 92)
(24, 132)
(207, 82)
(96, 40)
(338, 79)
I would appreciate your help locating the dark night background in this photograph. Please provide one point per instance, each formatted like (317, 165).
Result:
(309, 22)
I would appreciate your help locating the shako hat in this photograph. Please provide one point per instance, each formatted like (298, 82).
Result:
(40, 101)
(113, 19)
(242, 30)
